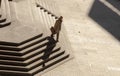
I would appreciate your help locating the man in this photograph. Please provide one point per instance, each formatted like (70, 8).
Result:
(57, 27)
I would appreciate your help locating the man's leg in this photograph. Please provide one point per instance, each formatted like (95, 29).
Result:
(52, 35)
(52, 31)
(43, 65)
(57, 37)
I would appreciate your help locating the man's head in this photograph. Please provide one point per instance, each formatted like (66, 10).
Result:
(61, 17)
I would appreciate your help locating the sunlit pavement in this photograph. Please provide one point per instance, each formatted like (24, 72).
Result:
(96, 49)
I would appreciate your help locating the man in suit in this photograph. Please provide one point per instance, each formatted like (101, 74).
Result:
(57, 27)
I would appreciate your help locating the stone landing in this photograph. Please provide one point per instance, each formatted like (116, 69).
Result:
(25, 46)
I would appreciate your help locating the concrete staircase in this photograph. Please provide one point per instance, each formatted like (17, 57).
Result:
(34, 54)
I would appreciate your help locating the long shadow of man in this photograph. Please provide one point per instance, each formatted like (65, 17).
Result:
(47, 52)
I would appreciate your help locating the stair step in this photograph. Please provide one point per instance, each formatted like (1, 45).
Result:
(29, 67)
(38, 51)
(49, 3)
(46, 20)
(52, 22)
(18, 69)
(14, 63)
(4, 24)
(25, 45)
(7, 57)
(2, 47)
(34, 47)
(58, 60)
(10, 0)
(2, 20)
(39, 62)
(32, 41)
(49, 10)
(8, 43)
(28, 50)
(46, 17)
(43, 14)
(26, 62)
(38, 57)
(55, 58)
(14, 73)
(40, 16)
(13, 68)
(44, 6)
(49, 19)
(7, 52)
(15, 53)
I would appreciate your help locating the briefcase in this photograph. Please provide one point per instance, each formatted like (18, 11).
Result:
(52, 30)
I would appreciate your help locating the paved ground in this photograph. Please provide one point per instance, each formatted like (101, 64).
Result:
(93, 31)
(92, 28)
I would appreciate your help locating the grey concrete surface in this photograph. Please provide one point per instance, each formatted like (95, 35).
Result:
(92, 27)
(94, 36)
